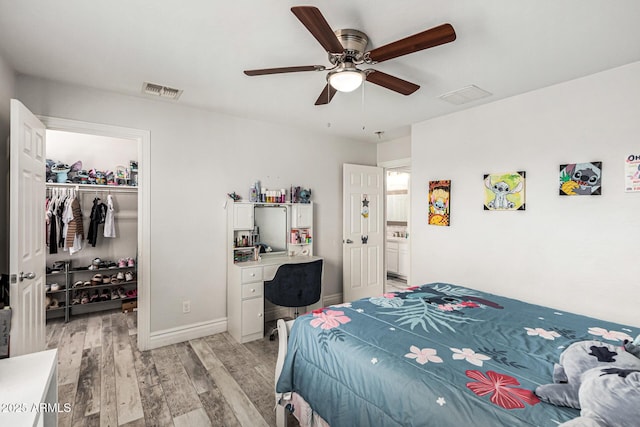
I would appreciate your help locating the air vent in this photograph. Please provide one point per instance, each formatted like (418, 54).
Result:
(464, 95)
(161, 91)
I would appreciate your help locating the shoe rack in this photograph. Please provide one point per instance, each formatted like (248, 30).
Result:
(79, 289)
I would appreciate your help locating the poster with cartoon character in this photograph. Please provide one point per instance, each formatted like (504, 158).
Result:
(439, 200)
(504, 192)
(581, 179)
(632, 173)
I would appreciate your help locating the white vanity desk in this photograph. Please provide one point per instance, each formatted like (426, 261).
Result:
(245, 294)
(26, 382)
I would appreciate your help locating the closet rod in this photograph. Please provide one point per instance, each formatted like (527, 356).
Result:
(94, 188)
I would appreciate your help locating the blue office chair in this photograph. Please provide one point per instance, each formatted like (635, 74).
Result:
(295, 285)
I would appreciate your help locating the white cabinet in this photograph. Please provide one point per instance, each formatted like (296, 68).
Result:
(301, 215)
(242, 216)
(392, 257)
(403, 259)
(398, 258)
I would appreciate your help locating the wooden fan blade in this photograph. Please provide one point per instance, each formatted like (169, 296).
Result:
(433, 37)
(316, 24)
(326, 96)
(264, 71)
(390, 82)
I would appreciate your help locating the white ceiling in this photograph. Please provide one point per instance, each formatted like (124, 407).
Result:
(506, 47)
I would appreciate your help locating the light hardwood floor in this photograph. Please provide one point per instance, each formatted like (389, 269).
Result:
(210, 381)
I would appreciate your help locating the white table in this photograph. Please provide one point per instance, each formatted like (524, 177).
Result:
(29, 390)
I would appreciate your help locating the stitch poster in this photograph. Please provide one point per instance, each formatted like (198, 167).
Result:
(632, 173)
(504, 192)
(439, 200)
(581, 179)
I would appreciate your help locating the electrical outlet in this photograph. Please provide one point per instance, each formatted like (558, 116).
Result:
(186, 306)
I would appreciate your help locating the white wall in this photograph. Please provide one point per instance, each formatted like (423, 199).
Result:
(578, 253)
(396, 149)
(197, 157)
(7, 89)
(95, 152)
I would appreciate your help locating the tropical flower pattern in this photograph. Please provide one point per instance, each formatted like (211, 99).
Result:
(610, 335)
(428, 308)
(424, 355)
(329, 319)
(500, 386)
(547, 335)
(470, 356)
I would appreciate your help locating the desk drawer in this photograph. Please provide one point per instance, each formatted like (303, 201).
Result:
(252, 290)
(252, 274)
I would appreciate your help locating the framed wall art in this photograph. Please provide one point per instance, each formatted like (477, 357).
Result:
(439, 202)
(581, 179)
(504, 191)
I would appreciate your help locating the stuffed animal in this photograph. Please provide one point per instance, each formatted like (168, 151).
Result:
(601, 380)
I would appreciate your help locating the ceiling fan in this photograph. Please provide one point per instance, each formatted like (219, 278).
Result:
(347, 49)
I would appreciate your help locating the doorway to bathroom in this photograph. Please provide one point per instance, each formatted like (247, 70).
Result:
(397, 223)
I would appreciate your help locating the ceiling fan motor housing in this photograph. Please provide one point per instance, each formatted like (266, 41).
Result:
(354, 43)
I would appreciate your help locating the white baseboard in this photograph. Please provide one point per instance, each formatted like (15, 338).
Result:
(332, 299)
(186, 333)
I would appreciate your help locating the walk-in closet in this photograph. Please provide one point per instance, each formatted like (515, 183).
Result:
(91, 217)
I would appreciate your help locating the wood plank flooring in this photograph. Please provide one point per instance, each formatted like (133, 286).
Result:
(210, 381)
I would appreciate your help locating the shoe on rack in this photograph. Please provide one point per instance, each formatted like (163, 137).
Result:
(95, 297)
(47, 302)
(132, 293)
(47, 288)
(106, 279)
(96, 279)
(105, 295)
(115, 280)
(121, 292)
(120, 276)
(55, 287)
(114, 294)
(85, 298)
(122, 263)
(131, 262)
(78, 284)
(54, 303)
(128, 276)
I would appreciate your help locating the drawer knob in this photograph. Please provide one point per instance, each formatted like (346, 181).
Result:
(259, 314)
(253, 290)
(252, 274)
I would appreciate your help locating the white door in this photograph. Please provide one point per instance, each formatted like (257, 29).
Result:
(26, 231)
(363, 231)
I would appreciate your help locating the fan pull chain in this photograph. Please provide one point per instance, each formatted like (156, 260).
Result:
(363, 115)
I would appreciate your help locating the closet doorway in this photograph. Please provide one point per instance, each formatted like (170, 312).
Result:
(398, 203)
(95, 271)
(125, 153)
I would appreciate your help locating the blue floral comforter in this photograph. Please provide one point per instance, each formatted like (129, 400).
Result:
(436, 355)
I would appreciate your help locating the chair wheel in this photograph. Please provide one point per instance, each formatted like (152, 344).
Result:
(272, 337)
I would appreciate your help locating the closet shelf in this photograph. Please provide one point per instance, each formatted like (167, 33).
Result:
(87, 188)
(106, 285)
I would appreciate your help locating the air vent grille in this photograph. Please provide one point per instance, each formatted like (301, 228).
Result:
(464, 95)
(161, 91)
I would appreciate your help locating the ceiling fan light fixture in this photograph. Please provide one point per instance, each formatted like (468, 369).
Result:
(346, 80)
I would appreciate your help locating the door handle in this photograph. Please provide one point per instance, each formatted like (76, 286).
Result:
(348, 241)
(29, 276)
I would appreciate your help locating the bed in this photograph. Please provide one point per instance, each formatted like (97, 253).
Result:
(435, 355)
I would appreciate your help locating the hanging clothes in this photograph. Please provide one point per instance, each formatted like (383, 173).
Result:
(98, 215)
(53, 226)
(109, 221)
(75, 228)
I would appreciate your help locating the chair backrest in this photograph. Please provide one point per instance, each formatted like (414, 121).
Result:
(295, 285)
